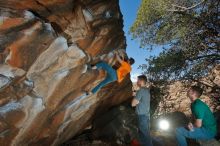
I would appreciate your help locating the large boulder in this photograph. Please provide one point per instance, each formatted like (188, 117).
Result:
(118, 125)
(45, 50)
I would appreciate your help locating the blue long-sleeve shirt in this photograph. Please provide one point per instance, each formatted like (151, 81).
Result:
(143, 96)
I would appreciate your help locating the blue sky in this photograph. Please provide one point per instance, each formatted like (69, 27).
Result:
(129, 10)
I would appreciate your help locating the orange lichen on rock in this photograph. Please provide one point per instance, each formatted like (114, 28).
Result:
(7, 23)
(18, 50)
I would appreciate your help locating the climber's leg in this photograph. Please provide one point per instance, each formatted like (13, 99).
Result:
(100, 85)
(111, 75)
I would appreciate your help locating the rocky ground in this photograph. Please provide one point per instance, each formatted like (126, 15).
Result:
(118, 127)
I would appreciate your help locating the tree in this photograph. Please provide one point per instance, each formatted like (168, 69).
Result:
(190, 32)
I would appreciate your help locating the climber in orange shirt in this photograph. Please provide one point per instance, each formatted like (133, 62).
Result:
(124, 68)
(114, 73)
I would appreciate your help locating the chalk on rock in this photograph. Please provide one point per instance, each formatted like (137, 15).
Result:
(11, 106)
(11, 72)
(28, 15)
(49, 27)
(4, 82)
(88, 14)
(109, 14)
(29, 83)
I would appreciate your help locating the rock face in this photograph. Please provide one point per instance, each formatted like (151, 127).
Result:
(45, 50)
(116, 127)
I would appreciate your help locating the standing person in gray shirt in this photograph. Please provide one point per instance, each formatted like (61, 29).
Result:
(142, 103)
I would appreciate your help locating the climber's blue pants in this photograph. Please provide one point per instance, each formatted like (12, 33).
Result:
(111, 75)
(197, 133)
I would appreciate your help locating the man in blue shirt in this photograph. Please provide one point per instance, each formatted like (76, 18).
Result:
(142, 103)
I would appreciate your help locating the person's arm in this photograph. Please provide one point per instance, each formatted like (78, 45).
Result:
(134, 102)
(198, 113)
(198, 123)
(136, 99)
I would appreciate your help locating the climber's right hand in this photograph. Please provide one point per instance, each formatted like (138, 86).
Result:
(122, 53)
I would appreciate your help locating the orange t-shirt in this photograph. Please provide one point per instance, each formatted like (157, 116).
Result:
(123, 70)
